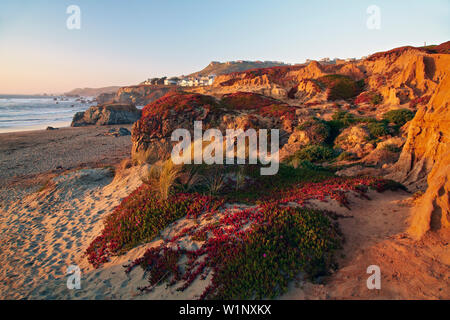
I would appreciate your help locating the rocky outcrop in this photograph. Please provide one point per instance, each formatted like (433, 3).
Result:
(107, 115)
(142, 95)
(425, 162)
(118, 132)
(220, 68)
(151, 135)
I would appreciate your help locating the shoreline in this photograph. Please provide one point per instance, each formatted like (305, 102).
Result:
(37, 127)
(29, 158)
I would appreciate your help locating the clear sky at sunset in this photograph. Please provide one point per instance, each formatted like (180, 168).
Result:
(125, 42)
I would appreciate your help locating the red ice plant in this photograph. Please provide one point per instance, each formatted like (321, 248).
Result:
(140, 217)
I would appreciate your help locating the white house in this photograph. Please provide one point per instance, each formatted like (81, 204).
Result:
(171, 82)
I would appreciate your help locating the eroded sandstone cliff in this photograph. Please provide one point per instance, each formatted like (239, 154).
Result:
(401, 75)
(425, 159)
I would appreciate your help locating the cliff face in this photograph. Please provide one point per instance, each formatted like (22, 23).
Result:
(404, 74)
(425, 159)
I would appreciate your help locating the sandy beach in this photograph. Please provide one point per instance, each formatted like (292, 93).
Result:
(44, 217)
(29, 158)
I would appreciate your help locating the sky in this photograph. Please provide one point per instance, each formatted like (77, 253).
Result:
(125, 42)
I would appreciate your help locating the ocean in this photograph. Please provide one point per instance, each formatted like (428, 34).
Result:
(22, 113)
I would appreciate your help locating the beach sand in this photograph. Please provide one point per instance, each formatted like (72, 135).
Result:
(29, 158)
(53, 192)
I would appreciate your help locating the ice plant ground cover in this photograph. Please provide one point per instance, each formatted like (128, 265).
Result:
(247, 251)
(140, 217)
(251, 253)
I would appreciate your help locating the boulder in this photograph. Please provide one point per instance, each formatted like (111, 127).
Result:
(108, 114)
(151, 135)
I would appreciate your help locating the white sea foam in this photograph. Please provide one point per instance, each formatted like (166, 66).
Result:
(20, 113)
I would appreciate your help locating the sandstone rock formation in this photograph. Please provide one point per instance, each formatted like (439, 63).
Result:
(142, 95)
(386, 152)
(399, 76)
(425, 161)
(107, 115)
(309, 132)
(151, 135)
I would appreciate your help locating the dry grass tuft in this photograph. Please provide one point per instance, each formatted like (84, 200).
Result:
(161, 178)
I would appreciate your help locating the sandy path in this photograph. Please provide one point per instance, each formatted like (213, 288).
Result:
(375, 235)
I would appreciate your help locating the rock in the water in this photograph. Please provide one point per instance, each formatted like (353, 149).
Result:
(109, 114)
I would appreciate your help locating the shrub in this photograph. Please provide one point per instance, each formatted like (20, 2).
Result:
(339, 86)
(344, 117)
(377, 129)
(399, 116)
(144, 156)
(374, 98)
(346, 156)
(289, 240)
(314, 153)
(189, 178)
(255, 252)
(260, 104)
(215, 182)
(316, 129)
